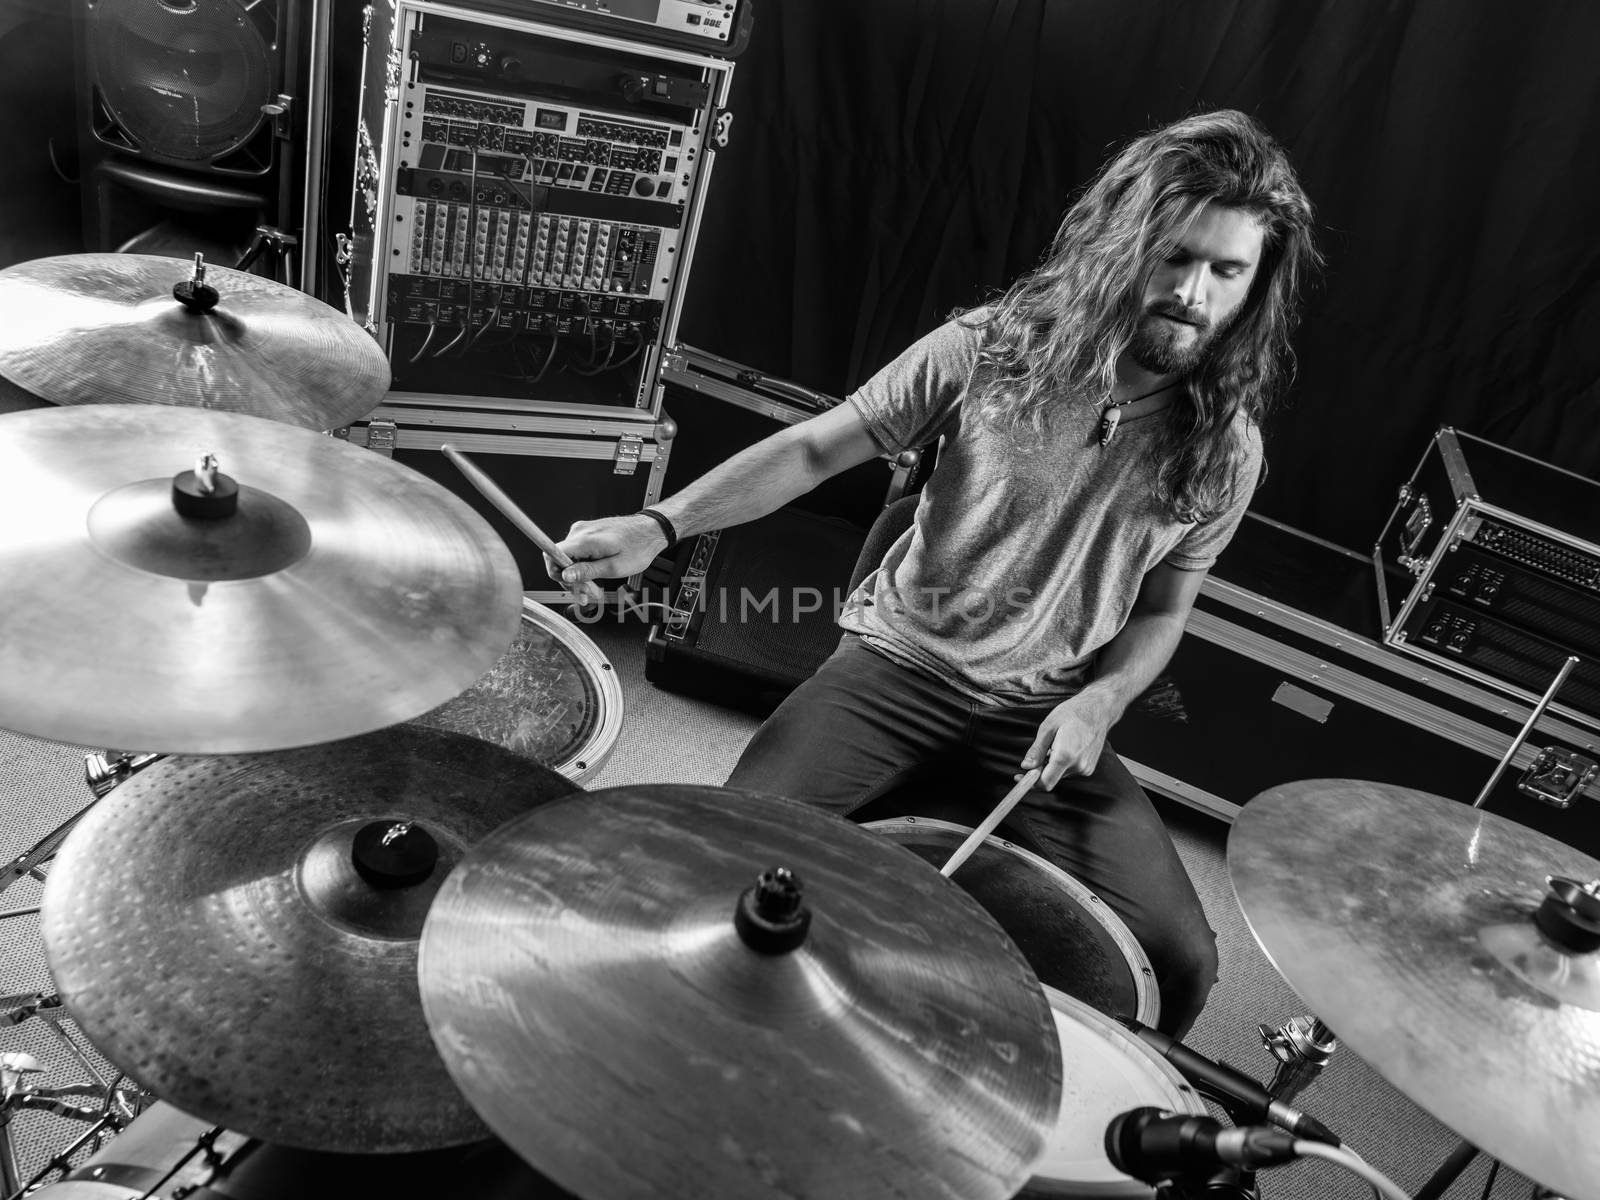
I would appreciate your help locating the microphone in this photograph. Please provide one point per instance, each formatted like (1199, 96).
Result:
(1155, 1147)
(1245, 1100)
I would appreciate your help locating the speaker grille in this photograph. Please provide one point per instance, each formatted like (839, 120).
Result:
(182, 79)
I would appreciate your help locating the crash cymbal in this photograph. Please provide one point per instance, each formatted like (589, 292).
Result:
(346, 593)
(591, 990)
(1412, 926)
(107, 329)
(238, 935)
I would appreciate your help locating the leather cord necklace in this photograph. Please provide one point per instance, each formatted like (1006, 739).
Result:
(1112, 415)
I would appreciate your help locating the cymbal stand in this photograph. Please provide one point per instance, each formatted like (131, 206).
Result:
(1527, 729)
(1465, 1152)
(1461, 1157)
(281, 245)
(112, 1113)
(102, 772)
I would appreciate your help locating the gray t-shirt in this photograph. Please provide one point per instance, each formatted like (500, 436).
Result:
(1023, 560)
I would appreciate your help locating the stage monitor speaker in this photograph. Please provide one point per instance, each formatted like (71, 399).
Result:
(754, 607)
(187, 123)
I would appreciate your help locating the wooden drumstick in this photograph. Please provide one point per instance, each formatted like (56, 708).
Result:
(975, 838)
(492, 493)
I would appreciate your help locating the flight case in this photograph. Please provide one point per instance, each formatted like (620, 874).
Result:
(555, 469)
(1283, 675)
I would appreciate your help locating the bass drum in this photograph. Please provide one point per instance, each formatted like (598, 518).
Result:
(162, 1156)
(1070, 936)
(1105, 1071)
(552, 697)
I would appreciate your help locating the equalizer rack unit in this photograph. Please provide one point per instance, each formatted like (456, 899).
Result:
(526, 205)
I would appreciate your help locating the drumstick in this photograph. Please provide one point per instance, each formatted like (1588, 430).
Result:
(492, 493)
(975, 838)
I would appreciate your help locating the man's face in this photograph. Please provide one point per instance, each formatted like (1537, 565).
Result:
(1192, 296)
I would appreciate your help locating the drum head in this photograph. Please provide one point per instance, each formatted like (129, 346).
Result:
(1072, 939)
(1105, 1070)
(552, 697)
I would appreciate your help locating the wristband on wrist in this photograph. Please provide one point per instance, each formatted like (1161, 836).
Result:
(660, 519)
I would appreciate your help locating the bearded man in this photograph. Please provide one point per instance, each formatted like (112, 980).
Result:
(1099, 441)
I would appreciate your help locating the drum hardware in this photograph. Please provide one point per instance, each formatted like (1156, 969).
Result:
(646, 1019)
(1456, 945)
(1522, 736)
(1242, 1098)
(1302, 1047)
(118, 1105)
(280, 248)
(107, 768)
(230, 634)
(286, 923)
(92, 329)
(167, 1154)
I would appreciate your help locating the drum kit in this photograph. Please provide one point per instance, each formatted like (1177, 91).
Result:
(353, 926)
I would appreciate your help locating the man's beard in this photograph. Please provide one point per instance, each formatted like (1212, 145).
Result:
(1156, 344)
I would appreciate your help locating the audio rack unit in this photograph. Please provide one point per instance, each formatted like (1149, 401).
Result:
(1490, 565)
(527, 201)
(713, 26)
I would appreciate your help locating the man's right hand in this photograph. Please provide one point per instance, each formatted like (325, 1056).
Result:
(610, 548)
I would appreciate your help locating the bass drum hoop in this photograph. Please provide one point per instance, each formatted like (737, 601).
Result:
(1179, 1098)
(1147, 1000)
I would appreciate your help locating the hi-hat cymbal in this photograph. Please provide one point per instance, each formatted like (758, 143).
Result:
(1408, 923)
(107, 329)
(589, 987)
(346, 593)
(240, 938)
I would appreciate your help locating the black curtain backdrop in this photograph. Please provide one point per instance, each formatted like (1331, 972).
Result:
(891, 159)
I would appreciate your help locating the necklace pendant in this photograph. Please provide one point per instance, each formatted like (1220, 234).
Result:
(1108, 425)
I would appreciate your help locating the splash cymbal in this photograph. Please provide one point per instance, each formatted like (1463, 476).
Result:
(342, 594)
(1427, 935)
(240, 934)
(107, 329)
(599, 1002)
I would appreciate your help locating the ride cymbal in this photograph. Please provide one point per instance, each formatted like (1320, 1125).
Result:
(344, 593)
(240, 935)
(861, 1029)
(1424, 932)
(108, 329)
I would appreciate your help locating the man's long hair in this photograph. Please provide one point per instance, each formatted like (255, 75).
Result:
(1058, 331)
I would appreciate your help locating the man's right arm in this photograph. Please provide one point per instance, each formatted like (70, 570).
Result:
(758, 480)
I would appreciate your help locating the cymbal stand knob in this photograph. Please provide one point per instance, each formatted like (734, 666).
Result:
(394, 854)
(1570, 915)
(194, 293)
(204, 492)
(772, 916)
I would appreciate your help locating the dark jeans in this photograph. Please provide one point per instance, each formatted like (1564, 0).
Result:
(864, 726)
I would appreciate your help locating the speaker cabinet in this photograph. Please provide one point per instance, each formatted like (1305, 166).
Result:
(188, 122)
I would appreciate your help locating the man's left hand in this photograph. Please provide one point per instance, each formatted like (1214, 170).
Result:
(1069, 740)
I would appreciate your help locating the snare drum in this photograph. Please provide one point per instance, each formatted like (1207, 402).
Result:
(1105, 1070)
(160, 1154)
(1070, 936)
(552, 697)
